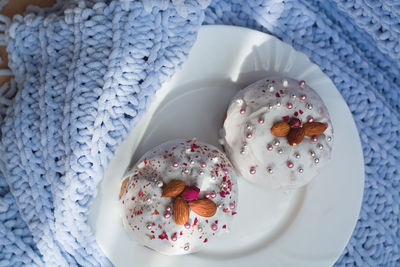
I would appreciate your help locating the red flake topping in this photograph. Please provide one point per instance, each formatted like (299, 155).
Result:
(263, 91)
(230, 185)
(277, 95)
(159, 226)
(225, 210)
(138, 211)
(206, 221)
(155, 212)
(181, 233)
(163, 236)
(193, 147)
(205, 240)
(281, 91)
(133, 198)
(285, 118)
(195, 221)
(301, 112)
(222, 194)
(150, 236)
(224, 226)
(234, 212)
(296, 114)
(140, 194)
(145, 161)
(216, 221)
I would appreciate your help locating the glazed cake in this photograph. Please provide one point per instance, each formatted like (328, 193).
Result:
(278, 133)
(179, 196)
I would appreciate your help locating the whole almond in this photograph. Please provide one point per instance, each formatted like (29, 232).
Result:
(280, 129)
(173, 188)
(123, 187)
(203, 207)
(314, 128)
(295, 136)
(181, 211)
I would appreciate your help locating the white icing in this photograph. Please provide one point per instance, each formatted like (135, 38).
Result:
(157, 165)
(260, 100)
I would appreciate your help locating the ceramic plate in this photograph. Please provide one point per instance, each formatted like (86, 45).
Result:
(307, 227)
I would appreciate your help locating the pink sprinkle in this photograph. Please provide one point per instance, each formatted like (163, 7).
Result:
(175, 164)
(226, 171)
(314, 138)
(252, 170)
(213, 194)
(260, 120)
(285, 118)
(167, 214)
(214, 227)
(242, 111)
(310, 118)
(302, 83)
(203, 165)
(270, 147)
(232, 206)
(277, 95)
(187, 225)
(303, 97)
(289, 105)
(295, 123)
(249, 135)
(174, 237)
(290, 164)
(207, 195)
(168, 208)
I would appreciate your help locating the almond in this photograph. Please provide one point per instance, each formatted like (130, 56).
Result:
(181, 211)
(173, 188)
(123, 187)
(295, 136)
(203, 207)
(280, 129)
(314, 128)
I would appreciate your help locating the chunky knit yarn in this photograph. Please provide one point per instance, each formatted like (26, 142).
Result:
(85, 72)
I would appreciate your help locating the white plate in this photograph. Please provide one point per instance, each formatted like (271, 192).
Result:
(307, 227)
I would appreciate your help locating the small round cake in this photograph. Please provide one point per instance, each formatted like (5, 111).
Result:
(179, 196)
(277, 133)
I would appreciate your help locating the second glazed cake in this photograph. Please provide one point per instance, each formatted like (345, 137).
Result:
(278, 133)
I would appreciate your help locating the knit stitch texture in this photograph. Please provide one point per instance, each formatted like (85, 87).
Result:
(85, 72)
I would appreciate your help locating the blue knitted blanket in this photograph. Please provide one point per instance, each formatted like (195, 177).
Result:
(85, 71)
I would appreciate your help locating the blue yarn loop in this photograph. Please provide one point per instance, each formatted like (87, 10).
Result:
(87, 70)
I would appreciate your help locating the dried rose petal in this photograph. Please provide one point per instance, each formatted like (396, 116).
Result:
(295, 123)
(191, 193)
